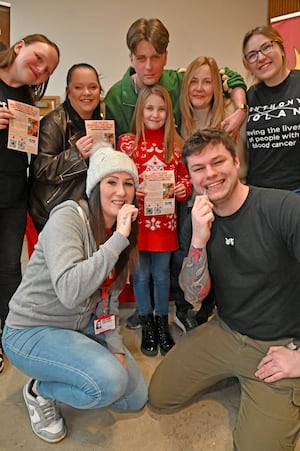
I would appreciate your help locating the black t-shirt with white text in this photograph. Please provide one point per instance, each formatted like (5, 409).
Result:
(273, 134)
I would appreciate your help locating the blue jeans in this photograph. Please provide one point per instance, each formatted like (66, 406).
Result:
(12, 230)
(75, 368)
(157, 266)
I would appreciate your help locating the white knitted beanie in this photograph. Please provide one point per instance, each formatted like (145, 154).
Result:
(105, 161)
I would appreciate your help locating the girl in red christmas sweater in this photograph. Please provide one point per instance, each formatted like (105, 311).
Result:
(155, 148)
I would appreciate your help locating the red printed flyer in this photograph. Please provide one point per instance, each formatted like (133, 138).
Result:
(23, 130)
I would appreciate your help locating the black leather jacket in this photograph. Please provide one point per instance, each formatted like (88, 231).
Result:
(58, 172)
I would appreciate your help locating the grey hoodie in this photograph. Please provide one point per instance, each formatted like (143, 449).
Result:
(61, 283)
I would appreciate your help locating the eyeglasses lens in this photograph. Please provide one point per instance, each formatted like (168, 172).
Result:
(265, 49)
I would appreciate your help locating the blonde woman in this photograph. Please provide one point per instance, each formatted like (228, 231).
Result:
(203, 104)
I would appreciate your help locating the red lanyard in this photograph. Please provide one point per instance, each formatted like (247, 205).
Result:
(104, 289)
(107, 283)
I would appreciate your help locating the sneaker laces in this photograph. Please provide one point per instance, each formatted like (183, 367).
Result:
(49, 410)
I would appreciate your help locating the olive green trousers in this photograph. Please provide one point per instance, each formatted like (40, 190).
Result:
(269, 414)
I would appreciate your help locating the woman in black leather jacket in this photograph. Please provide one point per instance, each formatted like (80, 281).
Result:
(58, 172)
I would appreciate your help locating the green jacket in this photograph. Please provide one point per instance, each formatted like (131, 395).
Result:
(121, 98)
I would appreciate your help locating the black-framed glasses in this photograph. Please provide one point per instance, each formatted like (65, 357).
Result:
(265, 49)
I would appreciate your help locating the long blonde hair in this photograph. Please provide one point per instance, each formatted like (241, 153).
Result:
(138, 127)
(217, 103)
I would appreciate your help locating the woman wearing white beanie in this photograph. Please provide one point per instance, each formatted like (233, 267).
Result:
(62, 329)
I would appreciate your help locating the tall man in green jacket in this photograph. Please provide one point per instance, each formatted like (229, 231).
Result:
(147, 41)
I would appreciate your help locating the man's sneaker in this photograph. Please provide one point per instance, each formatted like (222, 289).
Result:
(185, 320)
(133, 321)
(46, 421)
(1, 358)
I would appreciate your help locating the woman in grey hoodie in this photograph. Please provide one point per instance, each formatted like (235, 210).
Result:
(62, 328)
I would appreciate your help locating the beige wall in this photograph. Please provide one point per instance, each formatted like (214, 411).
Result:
(94, 31)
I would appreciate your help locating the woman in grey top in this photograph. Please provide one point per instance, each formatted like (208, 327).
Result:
(62, 327)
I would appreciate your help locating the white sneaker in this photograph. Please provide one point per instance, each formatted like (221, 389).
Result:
(46, 421)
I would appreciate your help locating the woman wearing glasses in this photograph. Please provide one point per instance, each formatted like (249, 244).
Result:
(273, 128)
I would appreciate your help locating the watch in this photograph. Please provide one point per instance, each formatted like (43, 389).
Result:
(243, 107)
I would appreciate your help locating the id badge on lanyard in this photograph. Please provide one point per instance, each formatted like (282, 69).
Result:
(107, 321)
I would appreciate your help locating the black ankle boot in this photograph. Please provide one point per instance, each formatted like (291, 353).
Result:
(149, 338)
(165, 340)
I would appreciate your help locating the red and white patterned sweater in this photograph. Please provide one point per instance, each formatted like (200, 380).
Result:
(157, 233)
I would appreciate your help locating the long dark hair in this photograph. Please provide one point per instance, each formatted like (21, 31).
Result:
(128, 258)
(8, 56)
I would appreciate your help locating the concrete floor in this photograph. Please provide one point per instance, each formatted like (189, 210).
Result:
(204, 426)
